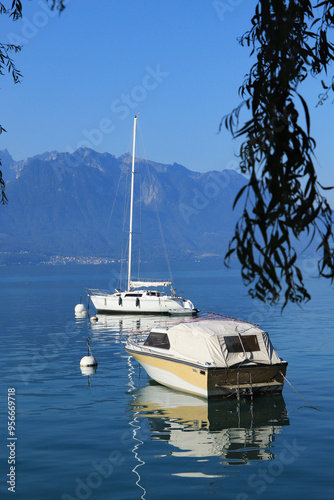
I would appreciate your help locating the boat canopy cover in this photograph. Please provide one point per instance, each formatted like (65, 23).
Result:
(223, 343)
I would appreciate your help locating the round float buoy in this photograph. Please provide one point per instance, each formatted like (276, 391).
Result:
(88, 370)
(80, 310)
(94, 318)
(88, 360)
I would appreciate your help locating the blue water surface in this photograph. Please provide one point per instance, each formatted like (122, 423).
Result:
(116, 435)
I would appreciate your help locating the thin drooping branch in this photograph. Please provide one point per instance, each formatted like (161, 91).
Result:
(7, 64)
(283, 204)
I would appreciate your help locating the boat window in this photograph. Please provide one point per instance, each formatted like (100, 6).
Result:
(250, 343)
(157, 339)
(133, 295)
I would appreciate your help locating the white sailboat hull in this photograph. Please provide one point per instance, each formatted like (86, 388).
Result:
(140, 303)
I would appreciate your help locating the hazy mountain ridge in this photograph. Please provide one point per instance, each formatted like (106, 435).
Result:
(64, 204)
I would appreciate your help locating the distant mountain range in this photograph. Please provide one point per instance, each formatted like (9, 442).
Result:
(75, 205)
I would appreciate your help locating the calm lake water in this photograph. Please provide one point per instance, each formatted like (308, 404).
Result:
(115, 435)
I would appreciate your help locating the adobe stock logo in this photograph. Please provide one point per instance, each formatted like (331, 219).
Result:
(127, 102)
(223, 7)
(122, 107)
(31, 27)
(215, 186)
(264, 476)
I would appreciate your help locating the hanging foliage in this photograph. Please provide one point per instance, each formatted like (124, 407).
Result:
(6, 60)
(283, 201)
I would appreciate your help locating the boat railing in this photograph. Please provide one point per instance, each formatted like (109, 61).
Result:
(96, 291)
(149, 282)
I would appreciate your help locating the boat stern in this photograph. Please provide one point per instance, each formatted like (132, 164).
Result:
(247, 380)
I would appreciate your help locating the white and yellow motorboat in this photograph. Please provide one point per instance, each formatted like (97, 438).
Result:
(211, 358)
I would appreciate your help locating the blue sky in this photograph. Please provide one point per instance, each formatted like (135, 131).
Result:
(178, 63)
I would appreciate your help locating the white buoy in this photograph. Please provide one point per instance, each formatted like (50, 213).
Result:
(88, 360)
(88, 370)
(80, 310)
(94, 318)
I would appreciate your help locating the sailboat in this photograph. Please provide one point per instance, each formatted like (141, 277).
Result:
(141, 296)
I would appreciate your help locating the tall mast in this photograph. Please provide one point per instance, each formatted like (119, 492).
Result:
(131, 199)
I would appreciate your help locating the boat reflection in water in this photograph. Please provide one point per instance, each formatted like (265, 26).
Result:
(130, 324)
(237, 431)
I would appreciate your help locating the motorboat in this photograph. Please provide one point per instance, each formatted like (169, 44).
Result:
(144, 296)
(211, 358)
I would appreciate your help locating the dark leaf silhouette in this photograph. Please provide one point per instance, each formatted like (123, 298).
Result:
(282, 200)
(6, 61)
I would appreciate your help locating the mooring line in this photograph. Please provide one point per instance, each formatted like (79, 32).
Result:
(312, 406)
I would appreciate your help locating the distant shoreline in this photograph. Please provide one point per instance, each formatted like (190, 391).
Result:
(25, 258)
